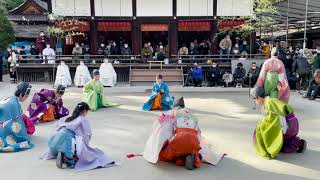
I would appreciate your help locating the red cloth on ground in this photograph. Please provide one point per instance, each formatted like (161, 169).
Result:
(184, 143)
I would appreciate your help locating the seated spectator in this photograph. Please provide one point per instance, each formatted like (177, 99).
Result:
(125, 49)
(214, 75)
(34, 53)
(193, 50)
(114, 50)
(203, 48)
(161, 55)
(146, 51)
(21, 54)
(227, 79)
(77, 50)
(314, 89)
(197, 75)
(236, 49)
(256, 47)
(239, 75)
(244, 49)
(183, 51)
(225, 45)
(253, 74)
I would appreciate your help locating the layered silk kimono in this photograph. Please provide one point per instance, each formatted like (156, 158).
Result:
(277, 131)
(159, 99)
(93, 95)
(180, 133)
(274, 80)
(108, 74)
(44, 107)
(13, 130)
(72, 139)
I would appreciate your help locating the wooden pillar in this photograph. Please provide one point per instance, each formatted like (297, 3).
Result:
(214, 29)
(173, 38)
(93, 30)
(136, 31)
(136, 37)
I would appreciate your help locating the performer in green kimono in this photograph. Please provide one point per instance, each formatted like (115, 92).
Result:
(278, 130)
(93, 93)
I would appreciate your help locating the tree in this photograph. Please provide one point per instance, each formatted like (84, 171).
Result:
(6, 31)
(11, 4)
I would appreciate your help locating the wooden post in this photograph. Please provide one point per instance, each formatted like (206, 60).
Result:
(93, 30)
(173, 38)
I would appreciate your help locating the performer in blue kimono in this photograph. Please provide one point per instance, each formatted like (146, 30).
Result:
(160, 98)
(13, 131)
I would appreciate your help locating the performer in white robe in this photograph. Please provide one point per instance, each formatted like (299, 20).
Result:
(82, 75)
(108, 74)
(63, 76)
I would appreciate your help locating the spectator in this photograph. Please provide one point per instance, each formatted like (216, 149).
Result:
(193, 50)
(225, 45)
(236, 49)
(183, 51)
(12, 62)
(239, 75)
(227, 79)
(244, 49)
(314, 89)
(125, 49)
(42, 42)
(316, 64)
(253, 74)
(77, 50)
(161, 55)
(214, 75)
(146, 51)
(256, 47)
(114, 50)
(101, 49)
(33, 51)
(197, 75)
(281, 51)
(21, 54)
(203, 48)
(49, 54)
(85, 49)
(266, 50)
(301, 68)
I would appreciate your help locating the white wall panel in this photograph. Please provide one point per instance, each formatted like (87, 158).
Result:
(113, 8)
(71, 7)
(154, 8)
(194, 7)
(235, 8)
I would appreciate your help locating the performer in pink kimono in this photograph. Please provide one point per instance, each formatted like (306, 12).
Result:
(176, 137)
(70, 143)
(47, 105)
(273, 78)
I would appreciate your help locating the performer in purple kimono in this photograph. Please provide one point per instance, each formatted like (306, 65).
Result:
(47, 105)
(70, 143)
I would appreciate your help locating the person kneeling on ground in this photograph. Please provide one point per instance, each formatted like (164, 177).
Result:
(93, 93)
(176, 137)
(278, 130)
(160, 98)
(14, 126)
(314, 89)
(197, 75)
(70, 143)
(47, 105)
(239, 75)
